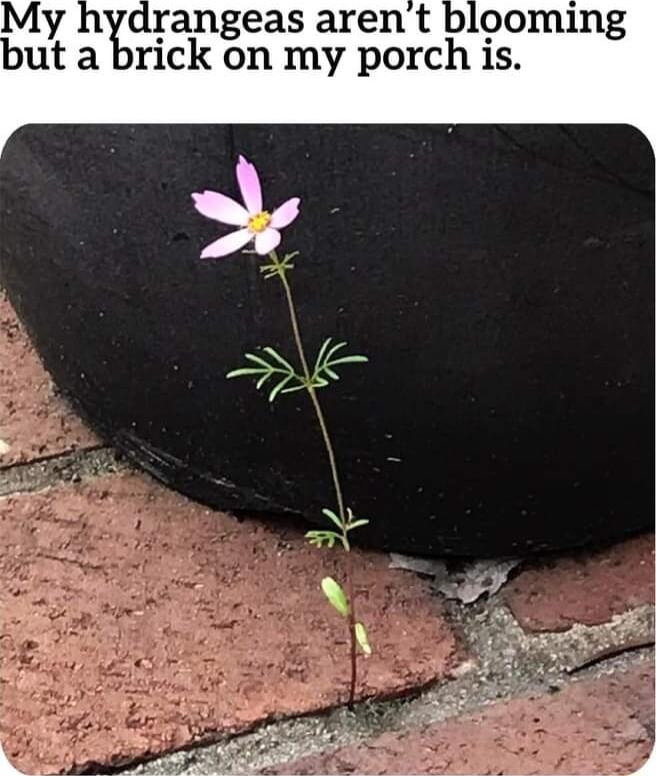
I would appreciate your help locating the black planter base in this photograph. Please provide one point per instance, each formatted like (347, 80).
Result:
(500, 279)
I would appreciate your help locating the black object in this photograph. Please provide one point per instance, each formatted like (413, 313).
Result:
(500, 278)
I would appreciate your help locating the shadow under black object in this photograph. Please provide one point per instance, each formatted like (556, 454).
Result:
(499, 278)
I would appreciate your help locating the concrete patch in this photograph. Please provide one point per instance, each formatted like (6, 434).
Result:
(69, 467)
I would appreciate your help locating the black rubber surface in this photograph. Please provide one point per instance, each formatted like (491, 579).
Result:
(501, 280)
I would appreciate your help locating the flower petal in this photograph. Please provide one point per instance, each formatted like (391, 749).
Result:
(214, 205)
(249, 185)
(227, 244)
(267, 240)
(285, 214)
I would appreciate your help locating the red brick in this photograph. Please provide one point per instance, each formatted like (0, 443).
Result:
(590, 727)
(34, 422)
(136, 622)
(587, 588)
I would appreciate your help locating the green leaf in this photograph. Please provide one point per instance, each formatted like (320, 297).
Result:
(319, 538)
(274, 354)
(269, 271)
(362, 639)
(356, 524)
(334, 350)
(257, 360)
(326, 361)
(276, 389)
(322, 352)
(350, 360)
(263, 380)
(244, 372)
(334, 593)
(294, 387)
(332, 516)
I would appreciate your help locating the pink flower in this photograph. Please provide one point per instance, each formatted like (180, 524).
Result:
(256, 224)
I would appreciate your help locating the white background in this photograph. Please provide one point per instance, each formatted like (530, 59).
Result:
(564, 78)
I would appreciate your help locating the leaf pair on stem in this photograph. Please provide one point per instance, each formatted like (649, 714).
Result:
(337, 597)
(287, 378)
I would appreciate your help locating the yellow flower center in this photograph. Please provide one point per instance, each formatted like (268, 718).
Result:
(258, 223)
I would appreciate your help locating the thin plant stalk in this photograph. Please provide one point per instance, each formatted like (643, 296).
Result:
(293, 317)
(261, 228)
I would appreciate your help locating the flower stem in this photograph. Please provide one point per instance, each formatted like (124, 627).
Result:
(311, 390)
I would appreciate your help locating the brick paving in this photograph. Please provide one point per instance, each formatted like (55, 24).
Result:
(135, 622)
(588, 587)
(33, 421)
(132, 610)
(589, 727)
